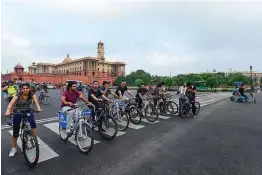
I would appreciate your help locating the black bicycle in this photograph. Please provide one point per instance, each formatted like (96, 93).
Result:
(253, 98)
(186, 106)
(45, 99)
(29, 141)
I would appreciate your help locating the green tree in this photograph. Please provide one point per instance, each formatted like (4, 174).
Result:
(119, 80)
(212, 82)
(139, 82)
(237, 78)
(196, 78)
(169, 82)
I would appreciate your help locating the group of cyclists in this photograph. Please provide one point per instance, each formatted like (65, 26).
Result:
(20, 99)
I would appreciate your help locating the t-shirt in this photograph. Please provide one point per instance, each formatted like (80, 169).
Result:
(70, 97)
(122, 89)
(23, 104)
(241, 90)
(107, 92)
(97, 94)
(142, 91)
(191, 94)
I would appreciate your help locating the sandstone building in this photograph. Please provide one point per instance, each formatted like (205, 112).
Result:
(84, 69)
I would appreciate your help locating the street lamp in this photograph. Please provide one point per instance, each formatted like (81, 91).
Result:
(255, 79)
(251, 74)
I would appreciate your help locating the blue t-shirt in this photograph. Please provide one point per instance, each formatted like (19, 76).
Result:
(101, 89)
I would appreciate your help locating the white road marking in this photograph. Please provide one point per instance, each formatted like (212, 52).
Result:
(55, 128)
(45, 152)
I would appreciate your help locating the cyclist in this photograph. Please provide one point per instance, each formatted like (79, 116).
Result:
(94, 95)
(191, 93)
(11, 90)
(22, 102)
(122, 89)
(241, 91)
(182, 93)
(105, 91)
(68, 98)
(140, 93)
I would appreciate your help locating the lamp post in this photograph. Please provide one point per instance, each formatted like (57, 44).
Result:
(255, 79)
(251, 75)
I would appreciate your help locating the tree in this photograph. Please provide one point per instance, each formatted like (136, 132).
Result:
(169, 82)
(119, 80)
(196, 78)
(139, 82)
(238, 77)
(212, 82)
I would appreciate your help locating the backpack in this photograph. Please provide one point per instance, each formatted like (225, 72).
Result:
(11, 91)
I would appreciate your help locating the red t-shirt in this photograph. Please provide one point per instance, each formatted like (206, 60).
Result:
(70, 97)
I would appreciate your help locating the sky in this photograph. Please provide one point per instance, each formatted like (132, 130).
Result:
(158, 37)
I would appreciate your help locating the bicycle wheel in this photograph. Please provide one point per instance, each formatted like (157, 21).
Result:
(254, 99)
(46, 100)
(87, 137)
(175, 107)
(63, 135)
(40, 98)
(184, 110)
(122, 121)
(151, 113)
(197, 104)
(104, 124)
(29, 142)
(168, 108)
(134, 115)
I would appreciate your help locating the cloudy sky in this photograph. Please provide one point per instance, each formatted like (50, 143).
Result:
(158, 37)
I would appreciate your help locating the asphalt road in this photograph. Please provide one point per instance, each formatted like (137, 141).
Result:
(225, 138)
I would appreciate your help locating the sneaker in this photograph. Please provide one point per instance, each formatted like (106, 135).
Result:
(12, 152)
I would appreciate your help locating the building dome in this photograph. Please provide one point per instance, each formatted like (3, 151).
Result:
(67, 59)
(19, 66)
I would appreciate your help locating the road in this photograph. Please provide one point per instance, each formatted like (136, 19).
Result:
(225, 138)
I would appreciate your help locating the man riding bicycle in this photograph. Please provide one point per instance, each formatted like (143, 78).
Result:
(140, 93)
(191, 94)
(68, 98)
(94, 95)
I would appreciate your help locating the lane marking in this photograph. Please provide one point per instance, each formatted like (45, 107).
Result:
(146, 121)
(55, 128)
(45, 152)
(119, 133)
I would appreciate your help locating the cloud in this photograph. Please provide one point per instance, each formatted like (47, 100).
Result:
(100, 8)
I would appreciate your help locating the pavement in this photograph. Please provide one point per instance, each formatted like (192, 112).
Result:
(223, 139)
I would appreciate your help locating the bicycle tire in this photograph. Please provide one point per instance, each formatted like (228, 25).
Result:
(197, 105)
(103, 119)
(184, 110)
(176, 107)
(166, 105)
(117, 121)
(34, 138)
(67, 135)
(138, 115)
(40, 98)
(46, 97)
(153, 110)
(85, 125)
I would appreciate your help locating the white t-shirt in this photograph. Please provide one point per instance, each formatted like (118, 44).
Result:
(182, 90)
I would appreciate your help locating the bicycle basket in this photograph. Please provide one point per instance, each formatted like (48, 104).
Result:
(86, 113)
(122, 104)
(62, 119)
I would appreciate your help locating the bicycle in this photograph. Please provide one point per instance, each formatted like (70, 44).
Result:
(77, 127)
(120, 115)
(45, 99)
(102, 117)
(29, 141)
(165, 106)
(186, 106)
(132, 110)
(149, 110)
